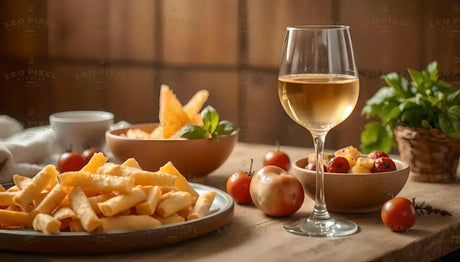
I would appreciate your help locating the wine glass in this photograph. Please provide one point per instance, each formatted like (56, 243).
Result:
(318, 87)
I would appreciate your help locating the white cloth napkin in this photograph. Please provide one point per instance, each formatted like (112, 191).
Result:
(27, 152)
(9, 126)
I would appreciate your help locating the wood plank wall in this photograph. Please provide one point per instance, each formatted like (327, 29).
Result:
(113, 55)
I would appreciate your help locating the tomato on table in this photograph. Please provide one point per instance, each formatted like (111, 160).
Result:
(88, 153)
(238, 185)
(399, 214)
(277, 158)
(70, 161)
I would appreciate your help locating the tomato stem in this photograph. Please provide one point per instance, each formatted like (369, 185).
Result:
(251, 172)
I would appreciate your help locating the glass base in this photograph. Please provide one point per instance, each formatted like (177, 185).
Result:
(322, 228)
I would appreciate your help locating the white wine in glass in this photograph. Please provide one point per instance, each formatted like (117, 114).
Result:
(318, 87)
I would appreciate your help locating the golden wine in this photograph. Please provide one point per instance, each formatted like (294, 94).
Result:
(318, 102)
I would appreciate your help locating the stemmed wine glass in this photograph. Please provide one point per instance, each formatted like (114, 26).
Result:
(318, 87)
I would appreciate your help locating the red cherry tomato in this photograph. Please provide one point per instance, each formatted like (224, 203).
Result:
(88, 153)
(277, 158)
(238, 187)
(383, 164)
(338, 164)
(70, 161)
(399, 214)
(377, 154)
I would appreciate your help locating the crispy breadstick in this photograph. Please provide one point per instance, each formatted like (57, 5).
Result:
(130, 222)
(131, 162)
(2, 189)
(81, 206)
(94, 163)
(110, 169)
(21, 181)
(122, 202)
(94, 200)
(174, 218)
(97, 182)
(32, 190)
(175, 202)
(142, 177)
(150, 204)
(51, 201)
(13, 189)
(46, 224)
(15, 218)
(181, 183)
(185, 212)
(64, 213)
(6, 198)
(14, 208)
(39, 198)
(202, 206)
(75, 226)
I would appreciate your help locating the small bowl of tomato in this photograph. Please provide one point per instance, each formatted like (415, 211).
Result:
(354, 192)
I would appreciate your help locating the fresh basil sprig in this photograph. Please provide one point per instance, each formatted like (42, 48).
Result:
(425, 101)
(211, 128)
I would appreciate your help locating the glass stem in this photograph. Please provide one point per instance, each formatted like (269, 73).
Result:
(320, 211)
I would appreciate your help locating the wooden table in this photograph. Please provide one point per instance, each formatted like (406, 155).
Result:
(255, 237)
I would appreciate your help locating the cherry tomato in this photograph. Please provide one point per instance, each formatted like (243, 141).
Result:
(383, 164)
(238, 187)
(70, 161)
(399, 214)
(277, 158)
(377, 154)
(338, 164)
(88, 153)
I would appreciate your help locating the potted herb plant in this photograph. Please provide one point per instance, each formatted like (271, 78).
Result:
(421, 118)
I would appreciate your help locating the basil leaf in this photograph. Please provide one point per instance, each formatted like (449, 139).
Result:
(376, 137)
(225, 127)
(193, 131)
(399, 83)
(210, 119)
(375, 104)
(432, 69)
(441, 86)
(412, 117)
(454, 98)
(416, 77)
(390, 112)
(454, 110)
(450, 125)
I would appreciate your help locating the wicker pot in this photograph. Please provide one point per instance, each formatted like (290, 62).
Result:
(433, 156)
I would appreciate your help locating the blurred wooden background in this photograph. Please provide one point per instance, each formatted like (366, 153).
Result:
(113, 55)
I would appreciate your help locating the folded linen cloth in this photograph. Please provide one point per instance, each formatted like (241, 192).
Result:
(9, 126)
(27, 152)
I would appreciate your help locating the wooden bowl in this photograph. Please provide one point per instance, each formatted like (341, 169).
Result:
(354, 193)
(192, 157)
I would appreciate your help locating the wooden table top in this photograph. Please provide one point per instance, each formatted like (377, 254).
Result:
(253, 236)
